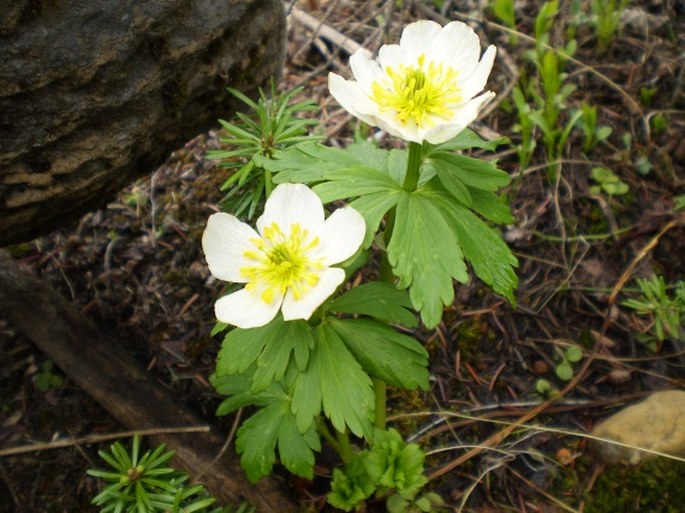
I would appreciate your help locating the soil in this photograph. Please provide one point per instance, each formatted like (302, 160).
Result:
(136, 268)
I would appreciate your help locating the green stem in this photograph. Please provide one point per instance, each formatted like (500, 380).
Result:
(411, 179)
(380, 391)
(344, 446)
(323, 429)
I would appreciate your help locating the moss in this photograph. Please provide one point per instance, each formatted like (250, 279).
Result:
(470, 336)
(655, 487)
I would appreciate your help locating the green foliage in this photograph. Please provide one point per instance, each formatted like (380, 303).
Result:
(544, 387)
(390, 467)
(679, 202)
(295, 372)
(383, 353)
(525, 127)
(47, 378)
(379, 300)
(593, 134)
(351, 487)
(666, 310)
(654, 487)
(148, 485)
(346, 390)
(275, 124)
(422, 504)
(272, 426)
(607, 182)
(270, 346)
(423, 240)
(607, 15)
(564, 369)
(504, 10)
(394, 464)
(430, 241)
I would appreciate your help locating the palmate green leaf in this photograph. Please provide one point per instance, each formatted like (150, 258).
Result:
(367, 153)
(346, 390)
(270, 346)
(238, 388)
(425, 255)
(306, 163)
(258, 436)
(353, 181)
(296, 449)
(373, 207)
(491, 207)
(392, 357)
(294, 337)
(307, 395)
(241, 347)
(491, 258)
(476, 173)
(376, 299)
(468, 139)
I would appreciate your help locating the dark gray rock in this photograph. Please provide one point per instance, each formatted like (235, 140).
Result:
(96, 93)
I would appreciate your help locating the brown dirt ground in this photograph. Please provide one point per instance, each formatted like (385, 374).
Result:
(136, 268)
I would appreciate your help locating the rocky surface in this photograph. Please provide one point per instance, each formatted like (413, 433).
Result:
(93, 94)
(656, 424)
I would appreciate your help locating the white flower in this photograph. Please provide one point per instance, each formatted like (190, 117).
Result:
(286, 263)
(423, 89)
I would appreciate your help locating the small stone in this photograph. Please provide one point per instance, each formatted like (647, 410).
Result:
(657, 424)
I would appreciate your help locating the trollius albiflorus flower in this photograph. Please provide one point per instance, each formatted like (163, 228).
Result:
(423, 89)
(286, 264)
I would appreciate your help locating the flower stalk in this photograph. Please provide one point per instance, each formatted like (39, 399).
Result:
(411, 179)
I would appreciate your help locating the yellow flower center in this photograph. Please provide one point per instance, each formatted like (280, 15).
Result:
(282, 263)
(418, 93)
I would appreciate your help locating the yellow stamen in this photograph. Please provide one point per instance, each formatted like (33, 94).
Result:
(418, 93)
(282, 263)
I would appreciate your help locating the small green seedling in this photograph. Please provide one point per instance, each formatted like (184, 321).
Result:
(544, 387)
(607, 182)
(679, 202)
(667, 311)
(148, 485)
(504, 10)
(47, 378)
(390, 466)
(593, 134)
(277, 123)
(607, 14)
(564, 369)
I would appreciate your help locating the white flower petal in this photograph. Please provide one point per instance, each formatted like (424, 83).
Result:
(458, 47)
(417, 38)
(407, 131)
(340, 236)
(463, 116)
(354, 100)
(475, 82)
(246, 309)
(391, 56)
(366, 70)
(303, 308)
(292, 203)
(224, 243)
